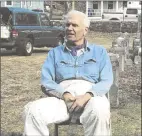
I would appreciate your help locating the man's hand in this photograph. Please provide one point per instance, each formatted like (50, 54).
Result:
(80, 102)
(68, 97)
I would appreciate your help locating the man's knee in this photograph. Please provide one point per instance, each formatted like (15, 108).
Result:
(26, 110)
(34, 107)
(99, 107)
(45, 108)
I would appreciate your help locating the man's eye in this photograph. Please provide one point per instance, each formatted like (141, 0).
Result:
(74, 25)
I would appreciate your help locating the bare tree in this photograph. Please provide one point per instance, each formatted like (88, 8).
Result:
(51, 9)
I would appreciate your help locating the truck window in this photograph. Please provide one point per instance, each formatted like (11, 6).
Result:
(21, 19)
(7, 19)
(44, 20)
(132, 11)
(33, 19)
(26, 19)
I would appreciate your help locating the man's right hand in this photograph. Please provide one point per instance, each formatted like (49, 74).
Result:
(68, 97)
(69, 100)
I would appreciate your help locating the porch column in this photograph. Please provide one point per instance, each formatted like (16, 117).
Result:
(102, 7)
(21, 4)
(87, 8)
(117, 5)
(73, 4)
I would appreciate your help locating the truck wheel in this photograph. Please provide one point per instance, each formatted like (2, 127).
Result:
(113, 19)
(26, 48)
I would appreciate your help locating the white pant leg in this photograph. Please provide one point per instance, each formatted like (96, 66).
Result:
(96, 117)
(38, 114)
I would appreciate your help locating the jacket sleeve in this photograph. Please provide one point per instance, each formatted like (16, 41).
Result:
(48, 84)
(105, 76)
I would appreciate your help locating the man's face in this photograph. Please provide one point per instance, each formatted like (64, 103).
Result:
(75, 28)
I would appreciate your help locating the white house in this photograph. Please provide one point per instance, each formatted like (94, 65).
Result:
(95, 9)
(29, 4)
(134, 4)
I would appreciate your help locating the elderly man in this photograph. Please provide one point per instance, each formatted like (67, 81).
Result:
(77, 72)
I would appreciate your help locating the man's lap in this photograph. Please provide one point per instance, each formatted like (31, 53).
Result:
(53, 110)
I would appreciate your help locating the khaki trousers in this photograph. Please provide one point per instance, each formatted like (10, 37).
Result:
(95, 118)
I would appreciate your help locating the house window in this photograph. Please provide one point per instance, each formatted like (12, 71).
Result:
(29, 3)
(8, 3)
(124, 3)
(95, 5)
(110, 4)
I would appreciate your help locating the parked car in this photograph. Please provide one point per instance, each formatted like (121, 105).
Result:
(129, 14)
(24, 29)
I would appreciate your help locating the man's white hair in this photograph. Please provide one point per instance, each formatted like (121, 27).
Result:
(86, 19)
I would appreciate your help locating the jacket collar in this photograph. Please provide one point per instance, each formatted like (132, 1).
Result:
(86, 46)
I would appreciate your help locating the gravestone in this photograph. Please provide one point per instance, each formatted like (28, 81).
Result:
(120, 52)
(114, 90)
(137, 60)
(121, 47)
(136, 49)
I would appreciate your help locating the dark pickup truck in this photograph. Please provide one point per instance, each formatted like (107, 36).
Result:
(24, 29)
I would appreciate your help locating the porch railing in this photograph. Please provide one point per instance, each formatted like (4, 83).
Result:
(94, 13)
(98, 13)
(109, 10)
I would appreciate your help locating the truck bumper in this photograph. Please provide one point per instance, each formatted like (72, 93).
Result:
(6, 44)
